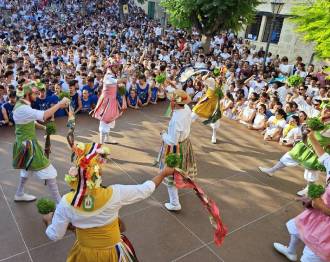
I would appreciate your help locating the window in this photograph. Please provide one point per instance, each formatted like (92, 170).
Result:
(252, 31)
(276, 33)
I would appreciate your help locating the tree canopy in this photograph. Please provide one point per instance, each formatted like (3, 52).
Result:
(210, 17)
(313, 19)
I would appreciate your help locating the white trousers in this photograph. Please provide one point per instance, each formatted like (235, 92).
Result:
(309, 175)
(46, 173)
(308, 254)
(105, 127)
(173, 194)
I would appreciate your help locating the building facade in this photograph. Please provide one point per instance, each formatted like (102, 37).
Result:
(284, 40)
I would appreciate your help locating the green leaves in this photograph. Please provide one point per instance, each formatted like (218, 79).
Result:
(295, 80)
(160, 79)
(64, 94)
(210, 16)
(45, 206)
(315, 191)
(315, 124)
(50, 128)
(172, 160)
(312, 20)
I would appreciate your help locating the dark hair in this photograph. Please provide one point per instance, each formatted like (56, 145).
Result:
(263, 106)
(305, 115)
(281, 112)
(296, 118)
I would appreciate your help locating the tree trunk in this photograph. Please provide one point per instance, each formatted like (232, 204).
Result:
(206, 43)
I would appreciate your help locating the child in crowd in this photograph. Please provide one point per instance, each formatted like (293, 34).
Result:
(7, 109)
(132, 99)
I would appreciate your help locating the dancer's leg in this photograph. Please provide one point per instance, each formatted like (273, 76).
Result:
(20, 195)
(53, 188)
(214, 126)
(286, 160)
(174, 204)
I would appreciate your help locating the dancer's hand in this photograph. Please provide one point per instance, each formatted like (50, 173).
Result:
(64, 103)
(47, 219)
(167, 171)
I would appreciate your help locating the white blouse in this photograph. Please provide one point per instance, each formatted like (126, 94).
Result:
(122, 195)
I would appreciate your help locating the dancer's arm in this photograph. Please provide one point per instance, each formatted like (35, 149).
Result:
(316, 145)
(130, 194)
(51, 111)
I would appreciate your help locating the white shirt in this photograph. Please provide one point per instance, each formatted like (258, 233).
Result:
(304, 106)
(26, 114)
(122, 195)
(179, 126)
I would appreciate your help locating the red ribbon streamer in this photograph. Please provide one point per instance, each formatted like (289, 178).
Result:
(209, 204)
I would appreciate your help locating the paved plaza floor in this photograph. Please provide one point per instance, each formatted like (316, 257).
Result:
(254, 207)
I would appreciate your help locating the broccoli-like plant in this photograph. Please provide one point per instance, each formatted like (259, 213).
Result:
(45, 206)
(315, 191)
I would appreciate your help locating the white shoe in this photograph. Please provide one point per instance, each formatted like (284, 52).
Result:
(284, 251)
(214, 140)
(265, 170)
(24, 198)
(303, 192)
(171, 207)
(111, 141)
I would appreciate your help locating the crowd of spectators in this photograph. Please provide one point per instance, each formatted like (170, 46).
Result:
(64, 46)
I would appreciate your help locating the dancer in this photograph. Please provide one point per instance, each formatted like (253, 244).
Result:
(28, 155)
(208, 107)
(176, 140)
(107, 108)
(302, 154)
(93, 209)
(312, 225)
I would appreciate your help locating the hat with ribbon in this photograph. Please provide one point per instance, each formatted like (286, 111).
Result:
(85, 177)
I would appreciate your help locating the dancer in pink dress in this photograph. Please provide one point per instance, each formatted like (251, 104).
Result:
(312, 226)
(107, 109)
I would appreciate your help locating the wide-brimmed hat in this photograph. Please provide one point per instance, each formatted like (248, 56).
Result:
(180, 97)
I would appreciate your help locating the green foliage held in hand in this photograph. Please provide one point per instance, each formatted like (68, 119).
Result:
(315, 191)
(51, 128)
(312, 20)
(315, 124)
(121, 90)
(172, 160)
(45, 206)
(160, 79)
(216, 72)
(295, 80)
(64, 94)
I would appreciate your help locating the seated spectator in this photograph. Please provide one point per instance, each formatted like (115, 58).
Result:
(87, 102)
(154, 92)
(227, 105)
(275, 125)
(248, 113)
(259, 122)
(238, 106)
(290, 109)
(89, 87)
(75, 104)
(143, 91)
(7, 109)
(291, 132)
(132, 99)
(3, 97)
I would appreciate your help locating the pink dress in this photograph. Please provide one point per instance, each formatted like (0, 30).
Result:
(314, 229)
(107, 109)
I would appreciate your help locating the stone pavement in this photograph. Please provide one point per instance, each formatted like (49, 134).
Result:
(254, 207)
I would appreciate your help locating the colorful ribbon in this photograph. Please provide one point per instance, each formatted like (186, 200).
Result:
(220, 229)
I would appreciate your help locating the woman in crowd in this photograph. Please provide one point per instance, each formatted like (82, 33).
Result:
(275, 125)
(291, 132)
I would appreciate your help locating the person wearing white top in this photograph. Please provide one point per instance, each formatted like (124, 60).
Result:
(176, 140)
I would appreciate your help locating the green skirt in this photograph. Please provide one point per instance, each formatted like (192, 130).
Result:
(29, 155)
